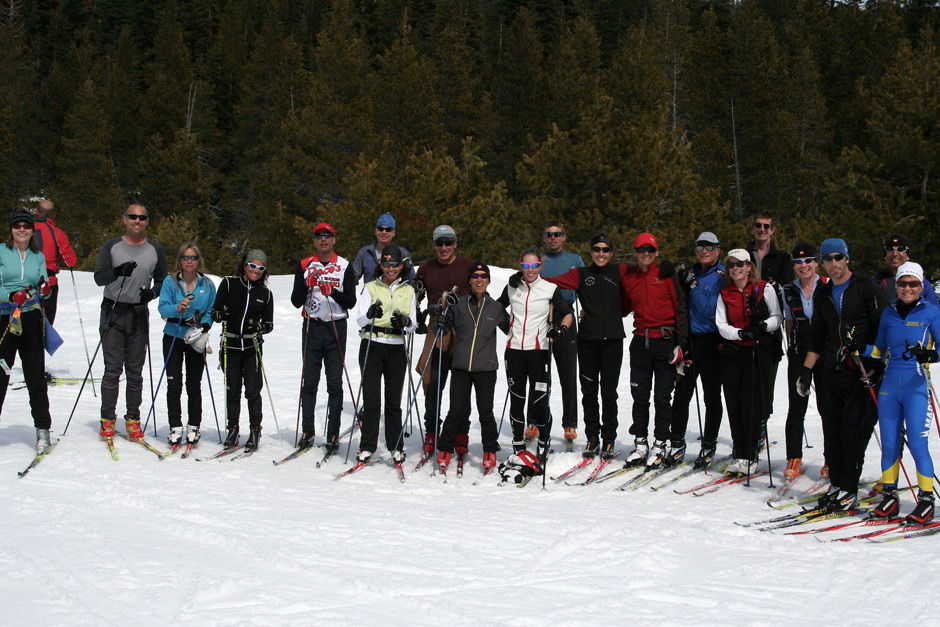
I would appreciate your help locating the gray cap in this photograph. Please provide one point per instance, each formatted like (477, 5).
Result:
(708, 237)
(443, 231)
(257, 255)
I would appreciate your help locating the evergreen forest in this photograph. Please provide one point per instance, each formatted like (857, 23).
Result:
(242, 123)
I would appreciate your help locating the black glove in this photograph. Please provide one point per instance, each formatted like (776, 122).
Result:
(443, 325)
(146, 295)
(205, 327)
(220, 315)
(125, 269)
(400, 321)
(921, 354)
(422, 328)
(853, 344)
(804, 381)
(745, 335)
(758, 326)
(686, 277)
(515, 281)
(556, 331)
(252, 327)
(375, 311)
(666, 270)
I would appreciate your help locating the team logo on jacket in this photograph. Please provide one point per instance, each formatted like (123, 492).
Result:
(589, 281)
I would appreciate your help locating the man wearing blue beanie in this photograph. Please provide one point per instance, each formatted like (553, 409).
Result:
(367, 259)
(847, 311)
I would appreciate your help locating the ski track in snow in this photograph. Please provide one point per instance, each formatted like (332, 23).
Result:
(85, 540)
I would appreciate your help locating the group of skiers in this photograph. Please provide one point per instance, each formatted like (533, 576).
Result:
(727, 319)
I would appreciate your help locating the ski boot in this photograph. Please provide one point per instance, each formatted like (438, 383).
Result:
(306, 441)
(794, 468)
(841, 502)
(428, 447)
(254, 436)
(107, 428)
(608, 451)
(657, 455)
(42, 441)
(676, 453)
(570, 435)
(923, 511)
(192, 434)
(591, 449)
(640, 452)
(175, 438)
(531, 432)
(706, 455)
(489, 461)
(890, 504)
(398, 457)
(332, 444)
(232, 438)
(363, 457)
(133, 429)
(443, 461)
(518, 446)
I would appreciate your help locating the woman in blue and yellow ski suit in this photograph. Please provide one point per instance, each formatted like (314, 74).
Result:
(907, 335)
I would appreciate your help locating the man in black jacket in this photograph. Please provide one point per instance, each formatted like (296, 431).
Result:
(846, 315)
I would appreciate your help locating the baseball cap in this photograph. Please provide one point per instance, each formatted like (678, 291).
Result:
(443, 231)
(645, 239)
(707, 237)
(324, 227)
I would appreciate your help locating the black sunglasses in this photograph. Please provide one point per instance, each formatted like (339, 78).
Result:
(135, 216)
(189, 257)
(553, 233)
(834, 257)
(600, 249)
(709, 247)
(384, 229)
(736, 264)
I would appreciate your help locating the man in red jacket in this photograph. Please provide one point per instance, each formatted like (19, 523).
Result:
(54, 244)
(660, 337)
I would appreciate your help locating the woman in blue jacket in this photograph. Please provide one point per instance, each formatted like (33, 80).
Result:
(907, 335)
(23, 281)
(186, 301)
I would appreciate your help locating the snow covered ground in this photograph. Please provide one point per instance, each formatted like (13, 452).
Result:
(86, 540)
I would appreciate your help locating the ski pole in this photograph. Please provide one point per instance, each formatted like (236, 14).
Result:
(698, 407)
(264, 374)
(107, 327)
(362, 374)
(224, 363)
(179, 322)
(82, 326)
(152, 393)
(503, 415)
(548, 398)
(806, 438)
(303, 371)
(205, 367)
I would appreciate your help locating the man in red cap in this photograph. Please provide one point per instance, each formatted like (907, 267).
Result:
(325, 287)
(660, 337)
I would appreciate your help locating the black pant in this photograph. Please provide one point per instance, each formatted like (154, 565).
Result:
(50, 305)
(528, 376)
(742, 377)
(706, 364)
(243, 367)
(796, 411)
(325, 346)
(565, 352)
(599, 364)
(649, 358)
(388, 361)
(30, 347)
(484, 383)
(174, 354)
(849, 415)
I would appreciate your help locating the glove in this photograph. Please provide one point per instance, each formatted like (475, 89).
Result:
(922, 355)
(252, 327)
(745, 335)
(685, 276)
(804, 381)
(666, 270)
(374, 311)
(677, 354)
(325, 288)
(758, 326)
(422, 328)
(400, 321)
(146, 295)
(193, 334)
(45, 288)
(557, 331)
(312, 279)
(443, 326)
(19, 297)
(515, 281)
(853, 344)
(220, 316)
(125, 269)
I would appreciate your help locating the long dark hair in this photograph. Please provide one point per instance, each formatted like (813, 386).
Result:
(240, 270)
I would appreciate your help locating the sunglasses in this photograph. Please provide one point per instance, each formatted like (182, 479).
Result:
(896, 249)
(322, 235)
(189, 257)
(443, 243)
(391, 264)
(255, 266)
(530, 266)
(553, 233)
(709, 247)
(735, 264)
(645, 250)
(834, 257)
(600, 249)
(384, 229)
(803, 260)
(22, 225)
(913, 284)
(479, 275)
(136, 216)
(760, 226)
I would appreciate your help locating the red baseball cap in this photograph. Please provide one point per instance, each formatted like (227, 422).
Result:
(645, 239)
(324, 226)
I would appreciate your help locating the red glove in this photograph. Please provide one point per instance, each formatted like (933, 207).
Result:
(676, 356)
(312, 279)
(19, 297)
(45, 289)
(326, 289)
